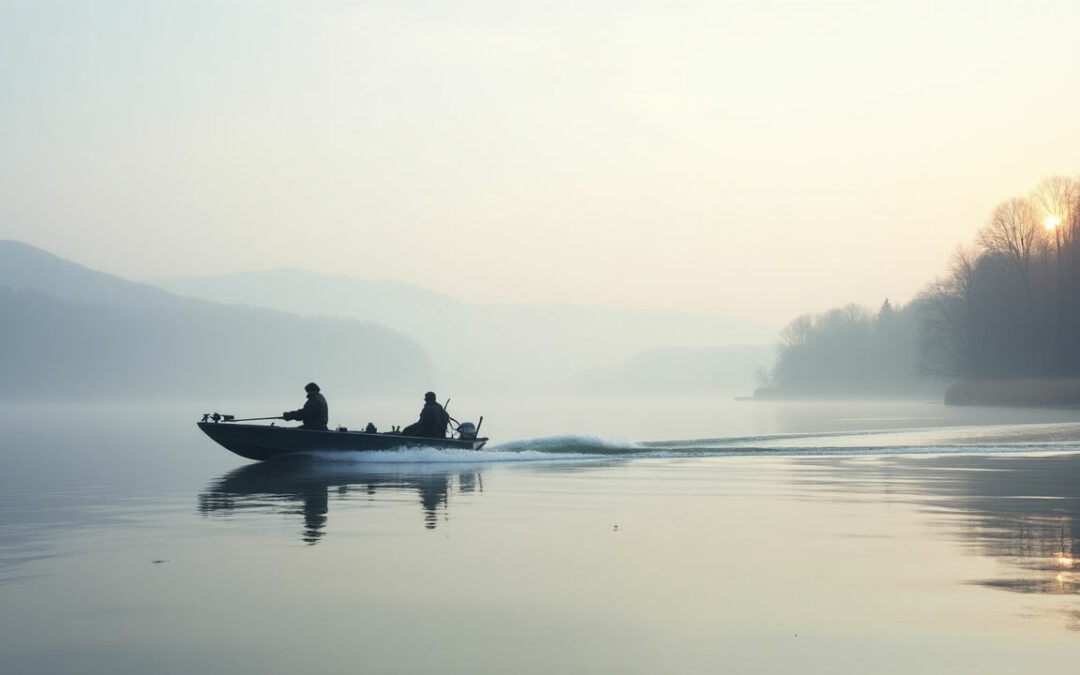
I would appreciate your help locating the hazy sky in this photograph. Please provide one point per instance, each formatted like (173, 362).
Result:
(759, 159)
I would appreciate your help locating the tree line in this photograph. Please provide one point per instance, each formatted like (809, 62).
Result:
(1007, 308)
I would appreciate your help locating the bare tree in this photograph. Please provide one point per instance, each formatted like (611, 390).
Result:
(945, 303)
(962, 272)
(1011, 307)
(1056, 197)
(1015, 231)
(798, 331)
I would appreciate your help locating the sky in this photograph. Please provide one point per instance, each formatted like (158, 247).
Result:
(758, 159)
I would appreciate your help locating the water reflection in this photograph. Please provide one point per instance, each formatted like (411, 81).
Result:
(281, 487)
(1022, 511)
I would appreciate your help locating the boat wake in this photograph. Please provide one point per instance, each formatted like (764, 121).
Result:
(541, 449)
(1056, 438)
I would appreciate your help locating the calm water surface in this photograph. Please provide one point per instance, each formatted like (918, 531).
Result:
(613, 536)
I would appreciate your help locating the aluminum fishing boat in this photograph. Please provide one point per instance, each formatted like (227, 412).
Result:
(261, 441)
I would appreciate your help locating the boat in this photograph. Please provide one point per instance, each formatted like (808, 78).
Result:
(261, 441)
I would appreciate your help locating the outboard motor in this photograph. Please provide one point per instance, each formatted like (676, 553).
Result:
(467, 431)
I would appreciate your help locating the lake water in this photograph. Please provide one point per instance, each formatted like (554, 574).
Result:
(593, 536)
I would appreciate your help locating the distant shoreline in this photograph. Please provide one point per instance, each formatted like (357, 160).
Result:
(778, 394)
(1031, 392)
(1021, 392)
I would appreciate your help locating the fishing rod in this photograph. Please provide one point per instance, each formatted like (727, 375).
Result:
(215, 417)
(444, 407)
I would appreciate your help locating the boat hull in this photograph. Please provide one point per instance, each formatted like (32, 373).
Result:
(260, 442)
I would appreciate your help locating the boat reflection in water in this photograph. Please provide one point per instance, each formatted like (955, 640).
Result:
(278, 487)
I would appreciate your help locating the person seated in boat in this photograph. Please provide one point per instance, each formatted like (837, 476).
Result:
(433, 420)
(315, 412)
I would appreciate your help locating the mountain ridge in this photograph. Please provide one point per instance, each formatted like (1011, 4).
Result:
(71, 332)
(489, 345)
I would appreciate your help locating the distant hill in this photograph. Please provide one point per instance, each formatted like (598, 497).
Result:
(73, 333)
(24, 267)
(682, 370)
(502, 346)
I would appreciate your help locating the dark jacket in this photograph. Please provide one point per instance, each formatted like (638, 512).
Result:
(433, 421)
(314, 414)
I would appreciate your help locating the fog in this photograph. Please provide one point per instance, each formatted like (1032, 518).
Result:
(567, 197)
(76, 333)
(521, 347)
(756, 160)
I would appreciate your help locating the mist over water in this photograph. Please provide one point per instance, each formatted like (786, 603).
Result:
(807, 535)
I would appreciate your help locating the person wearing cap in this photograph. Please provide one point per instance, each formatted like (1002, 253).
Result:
(433, 420)
(315, 412)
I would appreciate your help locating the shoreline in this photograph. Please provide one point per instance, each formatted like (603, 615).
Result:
(1030, 392)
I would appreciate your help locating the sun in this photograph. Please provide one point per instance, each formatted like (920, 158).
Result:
(1052, 222)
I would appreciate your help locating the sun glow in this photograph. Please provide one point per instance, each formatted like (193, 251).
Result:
(1052, 222)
